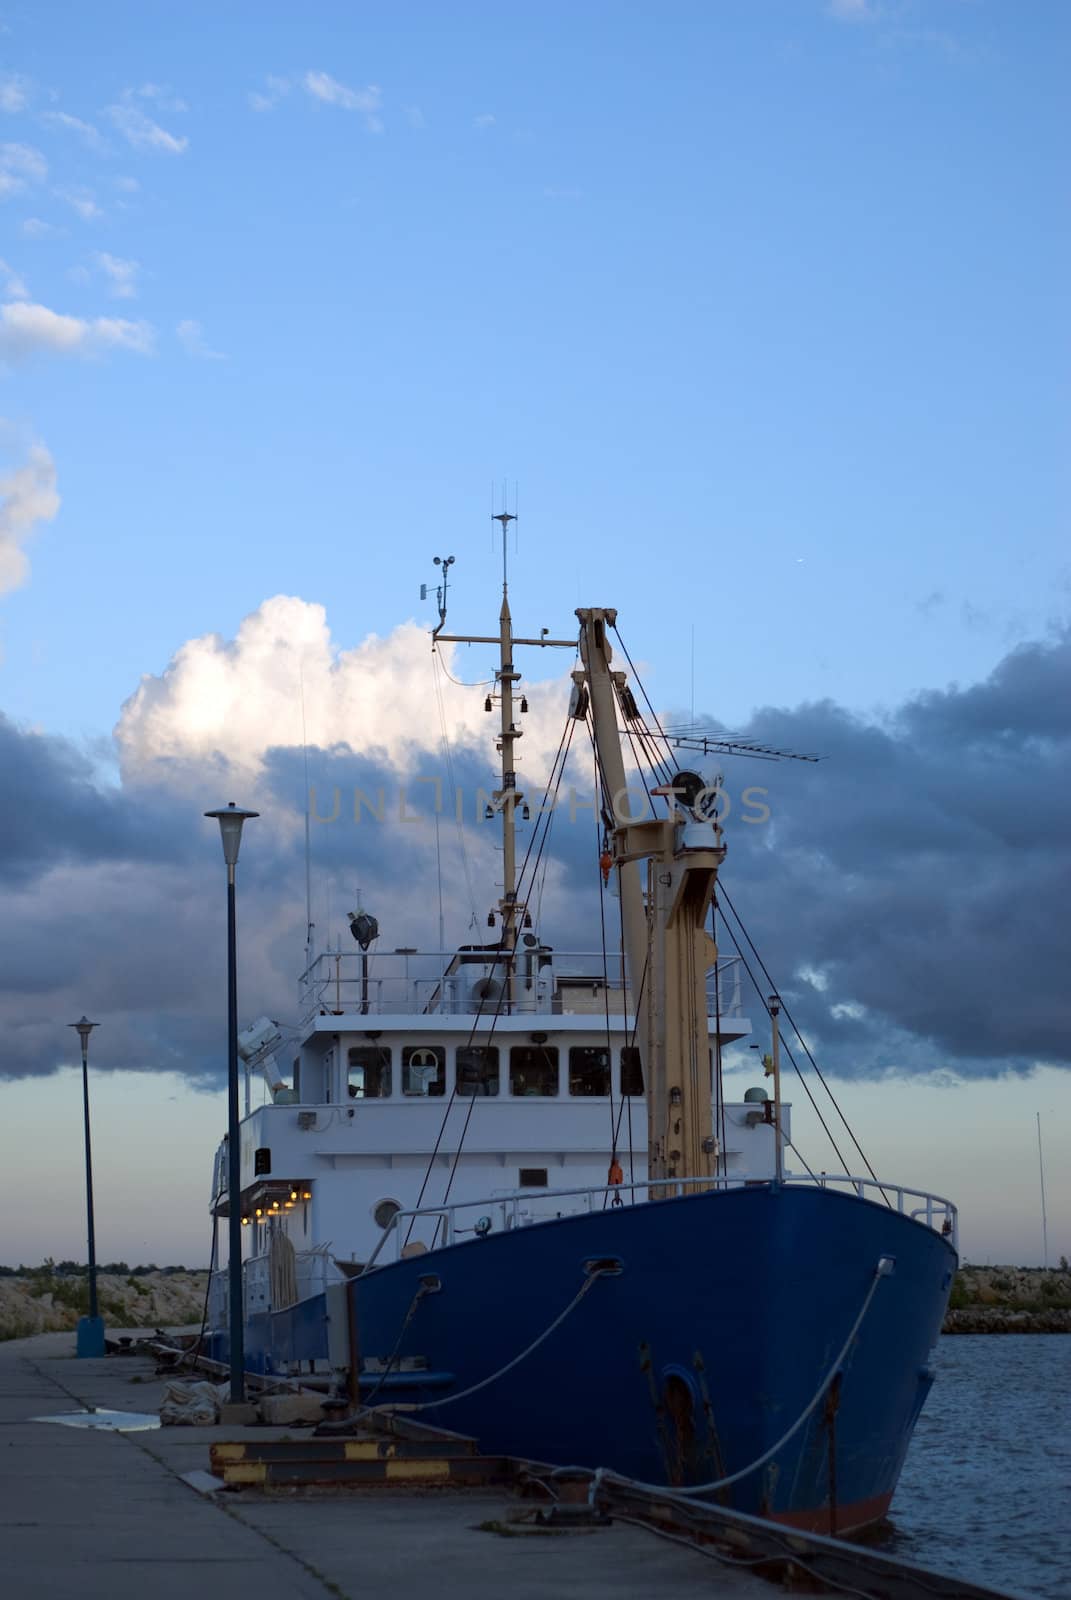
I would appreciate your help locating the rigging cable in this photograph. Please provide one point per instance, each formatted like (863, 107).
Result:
(806, 1049)
(670, 759)
(522, 908)
(600, 787)
(566, 741)
(719, 1080)
(449, 759)
(481, 684)
(558, 768)
(788, 1052)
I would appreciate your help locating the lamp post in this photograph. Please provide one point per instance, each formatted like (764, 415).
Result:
(230, 819)
(90, 1335)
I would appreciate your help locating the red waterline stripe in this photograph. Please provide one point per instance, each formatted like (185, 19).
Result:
(849, 1518)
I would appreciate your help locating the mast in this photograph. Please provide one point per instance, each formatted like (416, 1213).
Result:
(506, 798)
(667, 947)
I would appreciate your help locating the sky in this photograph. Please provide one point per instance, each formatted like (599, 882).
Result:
(758, 309)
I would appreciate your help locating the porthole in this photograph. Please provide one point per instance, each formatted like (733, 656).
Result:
(384, 1212)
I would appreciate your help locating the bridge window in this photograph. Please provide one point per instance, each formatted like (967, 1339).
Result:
(631, 1070)
(533, 1070)
(369, 1072)
(477, 1069)
(423, 1069)
(589, 1070)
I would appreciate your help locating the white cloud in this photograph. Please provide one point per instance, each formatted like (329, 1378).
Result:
(414, 116)
(321, 86)
(160, 94)
(851, 10)
(20, 164)
(243, 697)
(268, 98)
(138, 128)
(553, 192)
(37, 228)
(127, 185)
(81, 201)
(27, 497)
(27, 329)
(121, 274)
(190, 335)
(14, 92)
(483, 121)
(89, 135)
(14, 288)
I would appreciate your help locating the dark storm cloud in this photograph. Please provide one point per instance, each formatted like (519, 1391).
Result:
(54, 810)
(922, 871)
(909, 893)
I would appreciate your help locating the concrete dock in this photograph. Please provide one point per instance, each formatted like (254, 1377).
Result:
(86, 1514)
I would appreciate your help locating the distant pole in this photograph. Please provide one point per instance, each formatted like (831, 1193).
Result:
(1041, 1174)
(775, 1013)
(230, 819)
(90, 1341)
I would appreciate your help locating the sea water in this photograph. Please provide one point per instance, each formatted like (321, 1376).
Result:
(986, 1489)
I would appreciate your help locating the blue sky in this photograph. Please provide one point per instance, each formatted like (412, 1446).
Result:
(761, 304)
(774, 295)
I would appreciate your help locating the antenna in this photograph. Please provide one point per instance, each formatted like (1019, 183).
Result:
(308, 843)
(446, 562)
(691, 713)
(504, 518)
(1041, 1175)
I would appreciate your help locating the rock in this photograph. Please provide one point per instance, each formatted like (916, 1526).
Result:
(237, 1414)
(41, 1303)
(281, 1410)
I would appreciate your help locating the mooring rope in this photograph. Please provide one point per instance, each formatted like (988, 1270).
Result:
(593, 1276)
(606, 1475)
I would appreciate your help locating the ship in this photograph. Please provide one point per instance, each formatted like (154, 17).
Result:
(500, 1187)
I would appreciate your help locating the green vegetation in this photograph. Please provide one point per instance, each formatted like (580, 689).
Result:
(1010, 1300)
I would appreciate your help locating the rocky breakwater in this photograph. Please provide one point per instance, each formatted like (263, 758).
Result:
(1010, 1300)
(46, 1301)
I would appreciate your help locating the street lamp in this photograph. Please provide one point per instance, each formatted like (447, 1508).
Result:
(230, 819)
(90, 1335)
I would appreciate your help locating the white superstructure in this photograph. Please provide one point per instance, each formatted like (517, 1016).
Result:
(392, 1098)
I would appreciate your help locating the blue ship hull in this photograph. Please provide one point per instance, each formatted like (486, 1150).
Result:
(687, 1364)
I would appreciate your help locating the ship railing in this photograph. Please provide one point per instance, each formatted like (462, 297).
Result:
(413, 983)
(312, 1272)
(517, 1210)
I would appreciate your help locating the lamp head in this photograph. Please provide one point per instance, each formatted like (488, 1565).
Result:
(230, 819)
(365, 929)
(84, 1028)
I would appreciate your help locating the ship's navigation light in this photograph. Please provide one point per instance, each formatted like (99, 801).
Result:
(526, 812)
(490, 919)
(483, 1227)
(524, 703)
